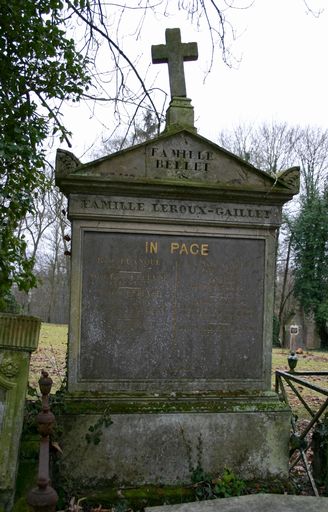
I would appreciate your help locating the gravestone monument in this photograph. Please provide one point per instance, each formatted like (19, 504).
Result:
(173, 264)
(19, 336)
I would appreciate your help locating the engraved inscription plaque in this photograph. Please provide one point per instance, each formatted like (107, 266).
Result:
(171, 307)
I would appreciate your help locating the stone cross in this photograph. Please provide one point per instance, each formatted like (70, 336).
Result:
(174, 53)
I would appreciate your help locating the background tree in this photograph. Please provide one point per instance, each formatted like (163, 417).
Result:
(141, 130)
(302, 256)
(310, 247)
(49, 53)
(52, 51)
(270, 147)
(38, 65)
(47, 231)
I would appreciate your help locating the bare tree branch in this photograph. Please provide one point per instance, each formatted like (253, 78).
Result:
(113, 45)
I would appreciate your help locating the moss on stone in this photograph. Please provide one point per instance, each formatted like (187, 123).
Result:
(117, 405)
(139, 497)
(150, 495)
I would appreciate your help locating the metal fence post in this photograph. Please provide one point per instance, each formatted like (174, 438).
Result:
(43, 498)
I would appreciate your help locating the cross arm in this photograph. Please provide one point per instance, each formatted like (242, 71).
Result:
(190, 51)
(159, 54)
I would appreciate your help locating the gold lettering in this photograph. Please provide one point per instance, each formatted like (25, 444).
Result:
(194, 249)
(204, 249)
(174, 247)
(151, 247)
(185, 249)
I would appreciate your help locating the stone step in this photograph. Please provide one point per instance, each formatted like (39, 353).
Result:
(251, 503)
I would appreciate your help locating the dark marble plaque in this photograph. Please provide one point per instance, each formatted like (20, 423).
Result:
(171, 307)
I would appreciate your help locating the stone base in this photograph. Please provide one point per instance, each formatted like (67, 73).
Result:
(252, 503)
(180, 114)
(249, 436)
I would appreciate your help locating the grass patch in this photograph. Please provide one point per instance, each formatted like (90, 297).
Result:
(308, 361)
(50, 355)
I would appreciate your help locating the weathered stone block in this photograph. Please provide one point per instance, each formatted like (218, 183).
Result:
(18, 337)
(252, 503)
(248, 436)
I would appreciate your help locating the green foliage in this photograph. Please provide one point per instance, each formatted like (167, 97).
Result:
(32, 408)
(199, 475)
(39, 67)
(8, 304)
(206, 486)
(93, 436)
(310, 245)
(275, 332)
(224, 486)
(202, 484)
(229, 485)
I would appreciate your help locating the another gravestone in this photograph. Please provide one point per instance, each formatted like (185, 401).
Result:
(173, 263)
(19, 336)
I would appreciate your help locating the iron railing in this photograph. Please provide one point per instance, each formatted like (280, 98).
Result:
(43, 498)
(301, 436)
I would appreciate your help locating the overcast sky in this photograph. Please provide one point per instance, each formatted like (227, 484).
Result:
(282, 73)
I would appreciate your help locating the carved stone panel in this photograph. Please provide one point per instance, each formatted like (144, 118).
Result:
(168, 307)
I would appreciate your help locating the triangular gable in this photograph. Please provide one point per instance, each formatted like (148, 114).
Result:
(182, 156)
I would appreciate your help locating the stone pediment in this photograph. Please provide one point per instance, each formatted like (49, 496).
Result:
(182, 157)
